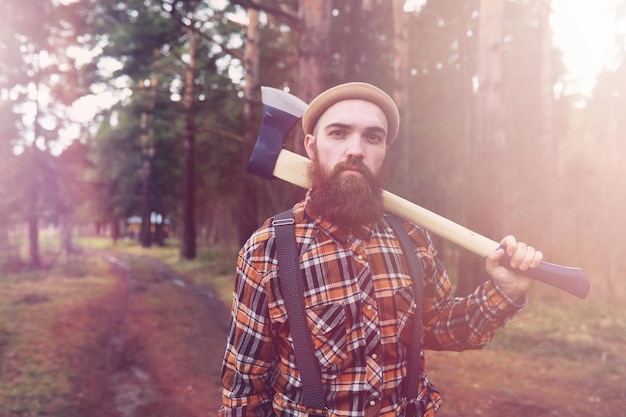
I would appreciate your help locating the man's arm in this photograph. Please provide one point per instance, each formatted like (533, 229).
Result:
(249, 356)
(459, 323)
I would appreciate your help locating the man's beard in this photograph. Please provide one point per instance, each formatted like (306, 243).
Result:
(350, 200)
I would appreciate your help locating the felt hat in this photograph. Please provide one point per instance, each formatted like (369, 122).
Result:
(353, 91)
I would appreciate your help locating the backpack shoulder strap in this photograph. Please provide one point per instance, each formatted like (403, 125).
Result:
(293, 296)
(416, 271)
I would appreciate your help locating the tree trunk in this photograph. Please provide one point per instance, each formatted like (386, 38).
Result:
(159, 230)
(147, 148)
(145, 235)
(313, 47)
(400, 61)
(485, 173)
(546, 174)
(401, 93)
(248, 207)
(115, 229)
(33, 191)
(189, 250)
(33, 215)
(66, 227)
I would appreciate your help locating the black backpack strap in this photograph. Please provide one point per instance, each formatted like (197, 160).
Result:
(416, 271)
(293, 296)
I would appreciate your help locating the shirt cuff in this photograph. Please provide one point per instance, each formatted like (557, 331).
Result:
(497, 304)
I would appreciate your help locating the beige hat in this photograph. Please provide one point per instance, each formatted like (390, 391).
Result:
(353, 91)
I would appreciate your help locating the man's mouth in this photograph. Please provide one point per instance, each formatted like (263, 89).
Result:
(352, 171)
(352, 167)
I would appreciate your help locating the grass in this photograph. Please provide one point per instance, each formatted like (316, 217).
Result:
(580, 330)
(214, 266)
(34, 363)
(559, 356)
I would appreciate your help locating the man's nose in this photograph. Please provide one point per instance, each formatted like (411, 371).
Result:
(355, 147)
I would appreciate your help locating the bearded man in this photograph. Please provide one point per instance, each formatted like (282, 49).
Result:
(358, 294)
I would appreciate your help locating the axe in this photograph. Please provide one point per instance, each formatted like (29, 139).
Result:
(281, 111)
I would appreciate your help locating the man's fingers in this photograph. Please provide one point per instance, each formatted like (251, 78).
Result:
(526, 257)
(522, 256)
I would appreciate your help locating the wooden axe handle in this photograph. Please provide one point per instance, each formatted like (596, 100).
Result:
(293, 168)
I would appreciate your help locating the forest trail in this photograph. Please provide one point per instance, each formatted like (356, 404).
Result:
(161, 343)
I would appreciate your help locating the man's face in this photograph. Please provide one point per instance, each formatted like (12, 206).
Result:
(347, 153)
(349, 129)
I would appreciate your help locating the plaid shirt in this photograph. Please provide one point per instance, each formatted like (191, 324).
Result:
(359, 304)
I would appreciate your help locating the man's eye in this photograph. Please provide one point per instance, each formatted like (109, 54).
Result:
(337, 133)
(375, 138)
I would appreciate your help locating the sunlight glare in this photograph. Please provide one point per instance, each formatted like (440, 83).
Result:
(414, 5)
(585, 31)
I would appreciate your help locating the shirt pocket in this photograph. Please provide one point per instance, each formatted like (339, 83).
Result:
(405, 314)
(329, 334)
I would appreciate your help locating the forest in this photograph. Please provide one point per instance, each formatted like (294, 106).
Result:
(136, 119)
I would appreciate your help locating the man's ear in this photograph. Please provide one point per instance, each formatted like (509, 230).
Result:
(309, 145)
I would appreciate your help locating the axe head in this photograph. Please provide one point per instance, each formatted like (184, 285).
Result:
(281, 111)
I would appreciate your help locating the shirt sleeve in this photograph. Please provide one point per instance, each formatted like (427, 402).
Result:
(249, 357)
(459, 323)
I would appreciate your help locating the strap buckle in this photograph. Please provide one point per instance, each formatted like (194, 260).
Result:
(282, 222)
(413, 408)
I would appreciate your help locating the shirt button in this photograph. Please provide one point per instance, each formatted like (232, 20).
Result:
(369, 307)
(372, 403)
(360, 257)
(319, 326)
(374, 356)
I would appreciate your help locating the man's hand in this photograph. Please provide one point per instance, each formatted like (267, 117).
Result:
(510, 278)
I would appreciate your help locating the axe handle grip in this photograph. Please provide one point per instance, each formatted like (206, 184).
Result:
(293, 168)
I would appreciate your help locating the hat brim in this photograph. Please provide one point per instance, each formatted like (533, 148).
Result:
(353, 91)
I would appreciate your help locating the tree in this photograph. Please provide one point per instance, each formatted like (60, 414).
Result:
(147, 149)
(117, 163)
(446, 85)
(43, 79)
(251, 91)
(593, 185)
(178, 38)
(313, 49)
(75, 191)
(189, 182)
(310, 21)
(8, 203)
(484, 202)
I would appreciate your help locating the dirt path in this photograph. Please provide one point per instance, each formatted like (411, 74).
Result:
(160, 341)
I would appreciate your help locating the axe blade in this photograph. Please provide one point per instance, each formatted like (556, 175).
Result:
(281, 111)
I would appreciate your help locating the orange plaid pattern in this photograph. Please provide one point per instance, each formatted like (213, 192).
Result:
(360, 309)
